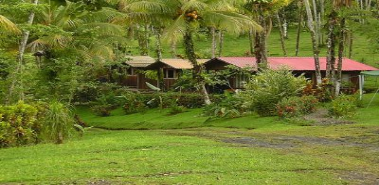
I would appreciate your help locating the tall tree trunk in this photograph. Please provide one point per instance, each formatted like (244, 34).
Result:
(314, 41)
(161, 83)
(197, 70)
(281, 35)
(331, 47)
(146, 33)
(316, 22)
(221, 42)
(260, 43)
(301, 7)
(341, 48)
(174, 52)
(351, 42)
(214, 43)
(158, 33)
(20, 60)
(251, 41)
(285, 26)
(322, 13)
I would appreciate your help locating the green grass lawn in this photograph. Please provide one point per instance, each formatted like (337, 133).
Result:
(151, 157)
(246, 150)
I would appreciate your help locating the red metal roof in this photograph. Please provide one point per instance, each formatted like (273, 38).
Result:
(296, 63)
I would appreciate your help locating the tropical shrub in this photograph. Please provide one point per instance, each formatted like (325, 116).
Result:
(323, 92)
(102, 110)
(176, 109)
(230, 106)
(269, 87)
(296, 106)
(134, 102)
(19, 124)
(343, 106)
(58, 122)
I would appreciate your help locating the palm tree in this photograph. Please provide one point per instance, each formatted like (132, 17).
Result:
(316, 51)
(190, 15)
(20, 59)
(337, 17)
(261, 12)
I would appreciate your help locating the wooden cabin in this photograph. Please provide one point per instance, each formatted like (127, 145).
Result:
(299, 65)
(171, 69)
(134, 77)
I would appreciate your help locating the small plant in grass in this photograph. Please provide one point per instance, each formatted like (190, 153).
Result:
(343, 106)
(175, 108)
(58, 122)
(296, 106)
(231, 106)
(104, 104)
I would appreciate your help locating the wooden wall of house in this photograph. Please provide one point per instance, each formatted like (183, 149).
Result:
(169, 82)
(130, 81)
(141, 81)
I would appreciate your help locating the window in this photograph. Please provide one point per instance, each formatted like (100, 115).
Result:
(130, 72)
(170, 73)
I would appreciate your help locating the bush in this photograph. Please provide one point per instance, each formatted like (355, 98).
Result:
(269, 87)
(102, 110)
(324, 92)
(296, 106)
(230, 106)
(343, 106)
(58, 122)
(19, 125)
(176, 109)
(134, 102)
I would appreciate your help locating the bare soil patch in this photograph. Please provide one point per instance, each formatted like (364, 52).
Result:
(321, 118)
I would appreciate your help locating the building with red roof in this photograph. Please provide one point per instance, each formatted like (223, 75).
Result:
(299, 65)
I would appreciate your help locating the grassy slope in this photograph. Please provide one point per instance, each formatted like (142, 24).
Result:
(151, 119)
(156, 119)
(238, 46)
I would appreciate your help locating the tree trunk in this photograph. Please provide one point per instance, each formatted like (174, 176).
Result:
(331, 47)
(260, 43)
(221, 42)
(159, 44)
(174, 52)
(351, 42)
(161, 84)
(322, 13)
(301, 7)
(197, 70)
(314, 41)
(20, 60)
(316, 22)
(251, 41)
(281, 35)
(341, 48)
(285, 26)
(214, 44)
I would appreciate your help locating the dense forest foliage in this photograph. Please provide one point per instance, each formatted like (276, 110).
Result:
(52, 48)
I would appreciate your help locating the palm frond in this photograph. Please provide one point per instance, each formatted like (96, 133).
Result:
(104, 28)
(7, 25)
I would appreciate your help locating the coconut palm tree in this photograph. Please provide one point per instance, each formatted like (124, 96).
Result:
(190, 15)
